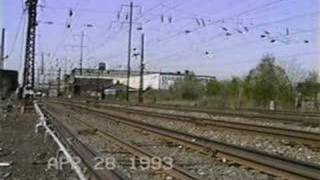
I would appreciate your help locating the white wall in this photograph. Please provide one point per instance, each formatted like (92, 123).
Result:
(149, 80)
(166, 81)
(154, 81)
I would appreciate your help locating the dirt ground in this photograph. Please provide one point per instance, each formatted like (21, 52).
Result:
(26, 151)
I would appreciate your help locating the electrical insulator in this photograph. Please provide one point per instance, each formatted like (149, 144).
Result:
(70, 13)
(246, 29)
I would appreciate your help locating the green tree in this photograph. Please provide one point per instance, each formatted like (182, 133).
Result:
(267, 82)
(225, 93)
(233, 87)
(310, 87)
(189, 88)
(214, 87)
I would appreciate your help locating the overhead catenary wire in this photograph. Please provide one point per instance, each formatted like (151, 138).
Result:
(17, 34)
(268, 4)
(21, 49)
(102, 45)
(112, 37)
(240, 45)
(65, 33)
(219, 20)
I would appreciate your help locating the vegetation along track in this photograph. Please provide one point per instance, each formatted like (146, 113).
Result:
(272, 164)
(309, 138)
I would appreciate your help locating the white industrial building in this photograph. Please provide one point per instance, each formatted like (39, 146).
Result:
(153, 80)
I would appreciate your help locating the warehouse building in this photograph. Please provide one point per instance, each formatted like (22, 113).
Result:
(154, 80)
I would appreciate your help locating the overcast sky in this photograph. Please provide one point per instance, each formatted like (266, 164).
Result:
(180, 34)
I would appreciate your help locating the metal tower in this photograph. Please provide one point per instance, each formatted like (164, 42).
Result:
(28, 74)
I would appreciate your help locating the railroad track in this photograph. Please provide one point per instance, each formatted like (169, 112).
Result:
(309, 119)
(254, 111)
(81, 150)
(310, 138)
(306, 118)
(271, 164)
(283, 112)
(176, 171)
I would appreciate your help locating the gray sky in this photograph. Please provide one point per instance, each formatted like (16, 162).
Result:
(205, 49)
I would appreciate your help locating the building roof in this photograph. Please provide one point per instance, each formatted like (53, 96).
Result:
(109, 72)
(123, 73)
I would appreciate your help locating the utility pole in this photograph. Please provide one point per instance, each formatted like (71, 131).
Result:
(42, 63)
(142, 66)
(38, 77)
(81, 46)
(58, 81)
(81, 51)
(65, 68)
(29, 63)
(2, 56)
(318, 46)
(129, 50)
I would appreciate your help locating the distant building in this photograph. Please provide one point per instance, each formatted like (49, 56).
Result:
(102, 66)
(89, 78)
(8, 82)
(52, 89)
(86, 84)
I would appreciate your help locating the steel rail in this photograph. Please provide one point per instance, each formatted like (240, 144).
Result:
(241, 110)
(62, 148)
(176, 171)
(85, 153)
(313, 114)
(305, 118)
(297, 118)
(304, 136)
(272, 164)
(311, 138)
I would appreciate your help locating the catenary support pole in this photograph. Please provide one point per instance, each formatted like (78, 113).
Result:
(2, 51)
(81, 51)
(129, 51)
(142, 66)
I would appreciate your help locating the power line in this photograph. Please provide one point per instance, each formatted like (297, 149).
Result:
(66, 29)
(139, 17)
(256, 60)
(101, 45)
(258, 26)
(19, 30)
(221, 20)
(232, 47)
(80, 9)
